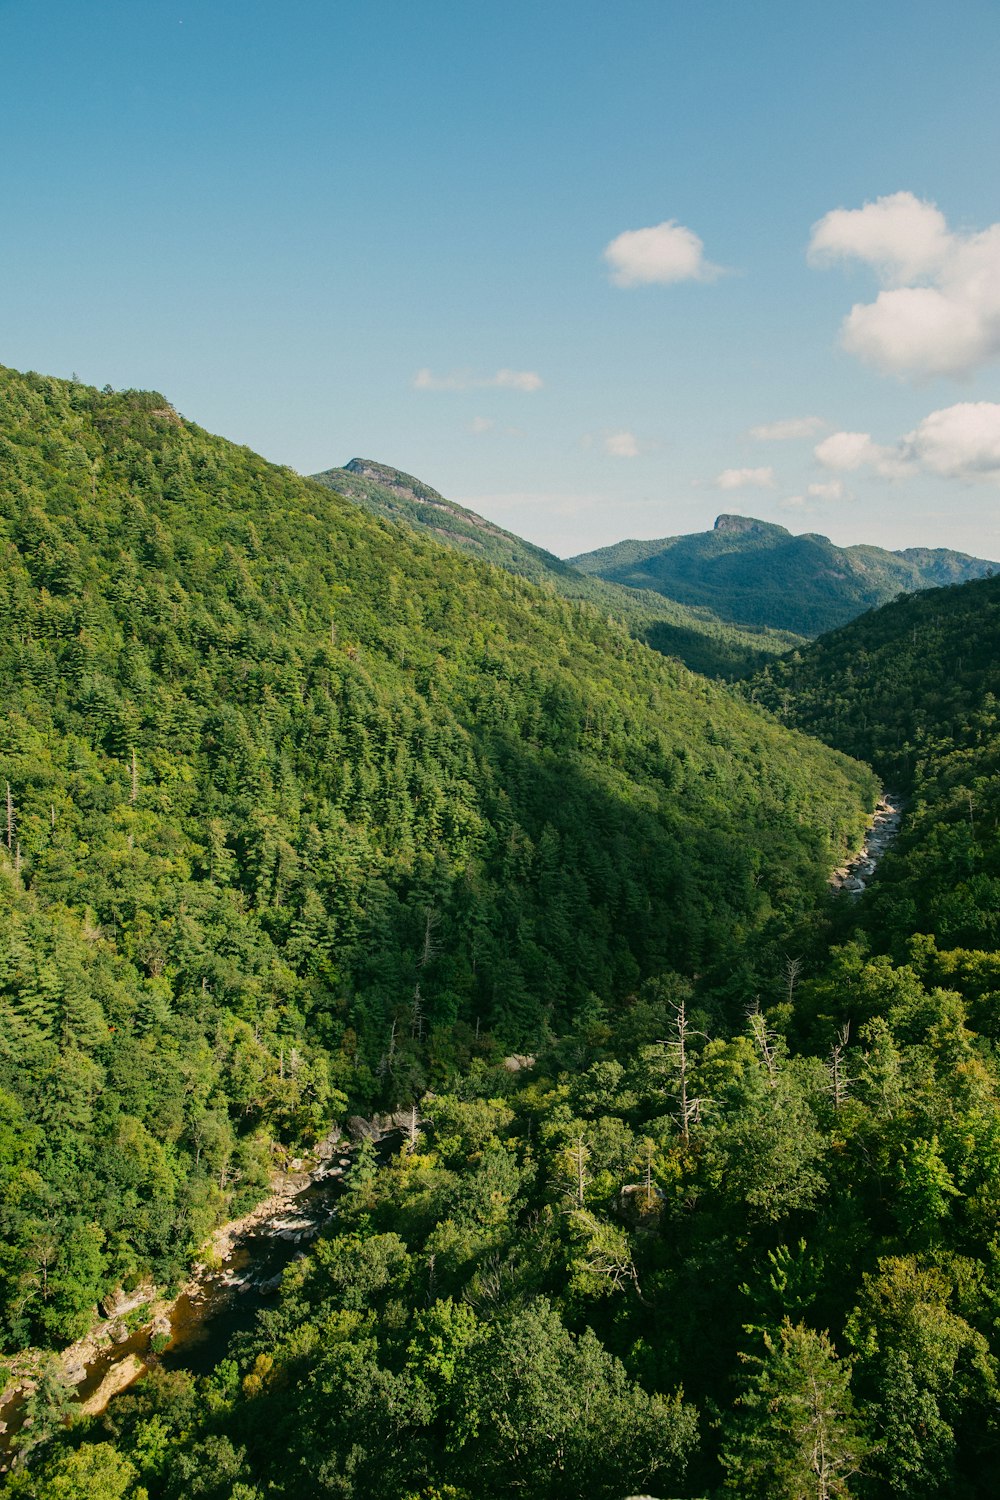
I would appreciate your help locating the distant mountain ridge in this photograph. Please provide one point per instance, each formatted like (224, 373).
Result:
(757, 573)
(694, 634)
(391, 493)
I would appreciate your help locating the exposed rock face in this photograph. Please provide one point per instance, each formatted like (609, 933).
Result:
(517, 1061)
(745, 525)
(119, 1302)
(118, 1378)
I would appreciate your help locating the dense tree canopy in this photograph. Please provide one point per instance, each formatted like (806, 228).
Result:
(298, 807)
(702, 639)
(756, 573)
(303, 808)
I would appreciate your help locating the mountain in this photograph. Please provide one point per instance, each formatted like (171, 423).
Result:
(303, 812)
(299, 808)
(397, 496)
(753, 572)
(913, 688)
(698, 637)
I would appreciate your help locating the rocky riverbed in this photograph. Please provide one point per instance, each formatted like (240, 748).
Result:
(241, 1264)
(883, 830)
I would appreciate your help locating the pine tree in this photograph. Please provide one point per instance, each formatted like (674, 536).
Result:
(795, 1437)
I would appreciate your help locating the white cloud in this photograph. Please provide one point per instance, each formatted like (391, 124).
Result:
(621, 444)
(959, 442)
(902, 236)
(939, 310)
(516, 380)
(847, 452)
(738, 479)
(464, 380)
(479, 425)
(833, 490)
(787, 430)
(662, 254)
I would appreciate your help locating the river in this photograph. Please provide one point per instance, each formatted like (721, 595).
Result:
(883, 830)
(249, 1257)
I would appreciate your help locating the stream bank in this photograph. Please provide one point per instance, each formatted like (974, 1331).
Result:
(241, 1265)
(854, 876)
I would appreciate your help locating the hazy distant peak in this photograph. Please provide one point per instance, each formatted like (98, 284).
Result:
(756, 573)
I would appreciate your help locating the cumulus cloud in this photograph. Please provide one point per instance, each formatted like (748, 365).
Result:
(957, 442)
(464, 380)
(738, 479)
(787, 430)
(847, 452)
(621, 444)
(832, 490)
(939, 310)
(479, 425)
(902, 236)
(662, 254)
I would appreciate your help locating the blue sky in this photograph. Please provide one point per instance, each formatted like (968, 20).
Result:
(328, 229)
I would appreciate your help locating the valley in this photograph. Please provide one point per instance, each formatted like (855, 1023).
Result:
(499, 752)
(883, 830)
(701, 638)
(309, 815)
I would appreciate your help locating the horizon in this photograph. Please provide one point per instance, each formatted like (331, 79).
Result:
(595, 275)
(718, 516)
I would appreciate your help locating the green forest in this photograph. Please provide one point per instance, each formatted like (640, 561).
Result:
(758, 574)
(702, 639)
(306, 814)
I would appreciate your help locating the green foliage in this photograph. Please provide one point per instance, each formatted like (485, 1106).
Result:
(911, 688)
(94, 1472)
(797, 1433)
(756, 573)
(391, 811)
(305, 807)
(700, 638)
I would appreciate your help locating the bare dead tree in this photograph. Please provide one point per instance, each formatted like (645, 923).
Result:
(417, 1014)
(688, 1107)
(387, 1061)
(767, 1043)
(792, 970)
(840, 1081)
(431, 922)
(579, 1156)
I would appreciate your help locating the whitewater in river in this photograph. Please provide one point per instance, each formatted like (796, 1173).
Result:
(882, 833)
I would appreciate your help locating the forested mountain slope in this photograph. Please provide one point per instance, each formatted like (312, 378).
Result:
(702, 640)
(396, 496)
(913, 688)
(753, 572)
(302, 807)
(733, 1234)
